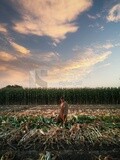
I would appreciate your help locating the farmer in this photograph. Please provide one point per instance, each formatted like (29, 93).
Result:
(62, 117)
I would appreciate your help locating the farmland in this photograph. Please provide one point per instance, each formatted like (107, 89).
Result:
(31, 132)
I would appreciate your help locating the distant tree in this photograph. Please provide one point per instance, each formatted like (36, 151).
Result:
(13, 86)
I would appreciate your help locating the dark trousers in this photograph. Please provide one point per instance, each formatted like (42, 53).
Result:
(62, 119)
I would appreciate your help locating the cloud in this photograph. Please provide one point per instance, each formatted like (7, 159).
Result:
(91, 17)
(94, 17)
(12, 77)
(3, 28)
(108, 46)
(4, 56)
(2, 68)
(117, 45)
(91, 26)
(99, 26)
(49, 18)
(48, 56)
(71, 70)
(17, 72)
(86, 60)
(114, 14)
(104, 65)
(76, 68)
(20, 49)
(96, 25)
(59, 71)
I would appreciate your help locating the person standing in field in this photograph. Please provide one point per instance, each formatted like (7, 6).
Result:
(62, 117)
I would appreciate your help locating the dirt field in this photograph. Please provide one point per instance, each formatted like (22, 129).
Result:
(53, 110)
(31, 133)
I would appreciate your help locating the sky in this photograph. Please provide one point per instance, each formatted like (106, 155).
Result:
(60, 43)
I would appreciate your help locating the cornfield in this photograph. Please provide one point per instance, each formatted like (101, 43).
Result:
(25, 96)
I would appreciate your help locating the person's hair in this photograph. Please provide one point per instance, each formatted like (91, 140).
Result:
(62, 98)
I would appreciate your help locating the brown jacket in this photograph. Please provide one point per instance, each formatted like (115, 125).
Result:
(64, 108)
